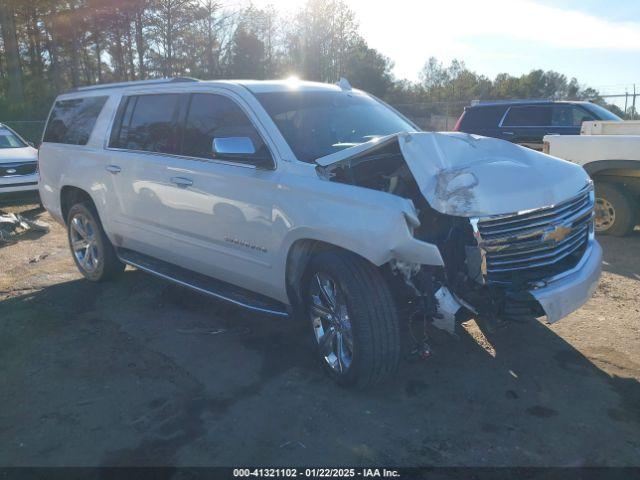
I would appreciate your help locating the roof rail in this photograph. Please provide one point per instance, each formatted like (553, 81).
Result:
(155, 81)
(512, 100)
(344, 84)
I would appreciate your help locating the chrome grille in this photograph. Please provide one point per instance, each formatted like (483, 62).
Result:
(533, 245)
(17, 169)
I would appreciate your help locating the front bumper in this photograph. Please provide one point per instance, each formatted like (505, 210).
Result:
(19, 189)
(570, 290)
(19, 183)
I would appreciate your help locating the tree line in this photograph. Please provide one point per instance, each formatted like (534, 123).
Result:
(49, 46)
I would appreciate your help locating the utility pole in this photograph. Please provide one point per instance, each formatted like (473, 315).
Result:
(626, 101)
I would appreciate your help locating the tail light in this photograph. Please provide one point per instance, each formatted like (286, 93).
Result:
(456, 128)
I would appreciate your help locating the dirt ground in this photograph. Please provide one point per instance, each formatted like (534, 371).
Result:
(140, 372)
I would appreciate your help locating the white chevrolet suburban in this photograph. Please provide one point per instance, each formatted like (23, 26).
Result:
(317, 201)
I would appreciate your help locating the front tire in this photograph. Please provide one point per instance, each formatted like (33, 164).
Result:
(353, 319)
(614, 210)
(92, 251)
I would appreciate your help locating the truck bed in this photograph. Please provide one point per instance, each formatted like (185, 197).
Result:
(583, 149)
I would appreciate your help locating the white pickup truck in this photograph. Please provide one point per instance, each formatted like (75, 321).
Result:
(610, 153)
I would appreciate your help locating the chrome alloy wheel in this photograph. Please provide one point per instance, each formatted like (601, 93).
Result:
(605, 214)
(331, 323)
(83, 242)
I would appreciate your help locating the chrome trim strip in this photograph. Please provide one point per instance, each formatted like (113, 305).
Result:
(550, 260)
(506, 112)
(583, 190)
(262, 131)
(561, 213)
(19, 176)
(202, 290)
(499, 255)
(520, 233)
(550, 105)
(18, 163)
(186, 157)
(11, 185)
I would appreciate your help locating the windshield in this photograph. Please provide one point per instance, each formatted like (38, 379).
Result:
(602, 113)
(316, 124)
(9, 140)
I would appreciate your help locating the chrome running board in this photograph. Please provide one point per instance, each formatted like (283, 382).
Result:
(203, 284)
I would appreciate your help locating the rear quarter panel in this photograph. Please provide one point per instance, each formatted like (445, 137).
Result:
(80, 166)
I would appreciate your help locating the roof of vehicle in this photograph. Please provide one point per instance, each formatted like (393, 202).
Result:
(285, 85)
(510, 103)
(255, 86)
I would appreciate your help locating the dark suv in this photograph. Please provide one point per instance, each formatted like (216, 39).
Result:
(526, 122)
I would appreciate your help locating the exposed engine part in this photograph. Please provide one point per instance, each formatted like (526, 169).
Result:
(407, 271)
(448, 307)
(422, 350)
(420, 283)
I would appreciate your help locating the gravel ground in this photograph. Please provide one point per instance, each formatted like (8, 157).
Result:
(140, 372)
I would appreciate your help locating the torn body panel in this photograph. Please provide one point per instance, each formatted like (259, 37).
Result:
(507, 220)
(471, 176)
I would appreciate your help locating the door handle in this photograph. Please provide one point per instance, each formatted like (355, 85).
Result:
(508, 133)
(182, 182)
(113, 169)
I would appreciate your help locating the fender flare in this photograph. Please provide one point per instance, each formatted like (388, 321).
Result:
(597, 166)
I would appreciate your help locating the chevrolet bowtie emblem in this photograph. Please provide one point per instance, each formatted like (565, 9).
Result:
(557, 233)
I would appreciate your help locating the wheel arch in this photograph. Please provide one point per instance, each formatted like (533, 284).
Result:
(69, 196)
(298, 256)
(617, 167)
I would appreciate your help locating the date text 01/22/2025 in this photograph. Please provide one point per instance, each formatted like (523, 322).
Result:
(315, 473)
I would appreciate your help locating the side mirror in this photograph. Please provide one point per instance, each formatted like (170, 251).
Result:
(240, 149)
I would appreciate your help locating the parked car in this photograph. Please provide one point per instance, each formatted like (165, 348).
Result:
(526, 122)
(610, 153)
(320, 202)
(18, 168)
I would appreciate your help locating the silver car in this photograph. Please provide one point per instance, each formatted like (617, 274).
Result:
(18, 168)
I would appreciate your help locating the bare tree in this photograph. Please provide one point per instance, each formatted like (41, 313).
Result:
(171, 18)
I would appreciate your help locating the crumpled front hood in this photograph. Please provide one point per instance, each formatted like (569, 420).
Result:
(467, 175)
(10, 155)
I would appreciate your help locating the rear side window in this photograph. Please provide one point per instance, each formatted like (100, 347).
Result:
(601, 113)
(569, 116)
(212, 116)
(482, 117)
(148, 123)
(531, 116)
(72, 121)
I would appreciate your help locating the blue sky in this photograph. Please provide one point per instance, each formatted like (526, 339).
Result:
(596, 41)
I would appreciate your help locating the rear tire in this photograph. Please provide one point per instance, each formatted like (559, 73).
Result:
(92, 251)
(614, 210)
(363, 325)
